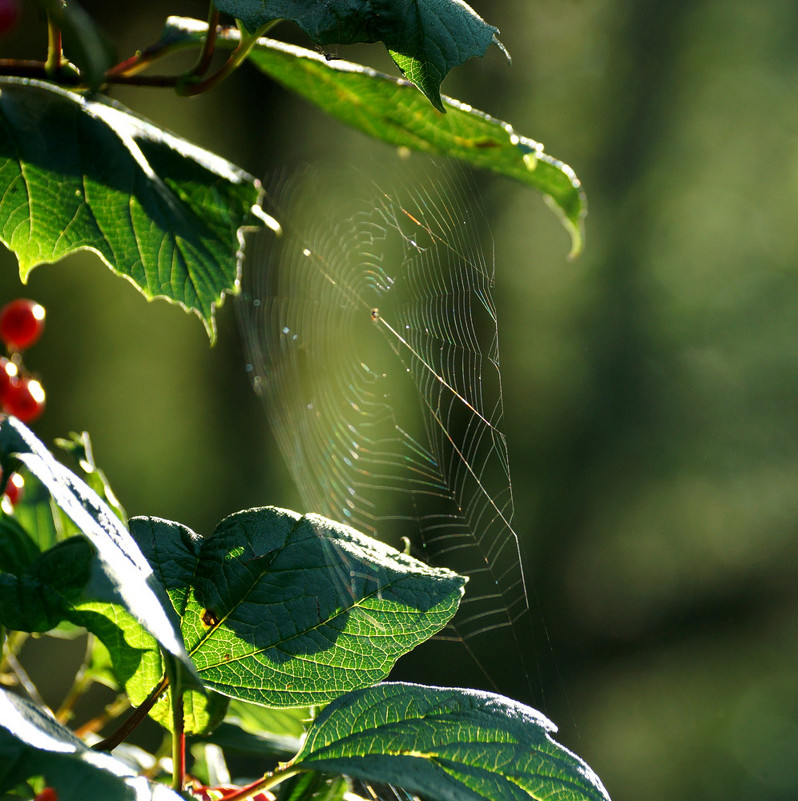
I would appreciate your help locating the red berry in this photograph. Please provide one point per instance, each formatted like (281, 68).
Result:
(48, 794)
(9, 13)
(24, 399)
(22, 320)
(15, 488)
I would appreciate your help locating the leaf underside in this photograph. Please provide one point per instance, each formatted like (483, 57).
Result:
(425, 38)
(447, 744)
(390, 109)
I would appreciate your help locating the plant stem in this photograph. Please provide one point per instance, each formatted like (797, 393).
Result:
(23, 677)
(268, 781)
(55, 50)
(124, 731)
(12, 644)
(236, 58)
(178, 734)
(79, 686)
(208, 46)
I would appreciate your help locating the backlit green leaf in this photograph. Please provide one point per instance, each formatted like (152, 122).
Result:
(448, 745)
(67, 583)
(313, 787)
(290, 722)
(80, 173)
(290, 610)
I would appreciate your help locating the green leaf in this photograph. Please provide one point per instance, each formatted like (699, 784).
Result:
(44, 522)
(258, 730)
(81, 173)
(67, 583)
(313, 786)
(447, 744)
(43, 594)
(390, 109)
(426, 38)
(288, 722)
(32, 744)
(131, 579)
(17, 548)
(289, 610)
(100, 667)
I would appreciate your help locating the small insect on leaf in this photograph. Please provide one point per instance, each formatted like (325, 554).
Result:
(210, 618)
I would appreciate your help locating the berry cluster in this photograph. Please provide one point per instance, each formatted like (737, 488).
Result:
(21, 325)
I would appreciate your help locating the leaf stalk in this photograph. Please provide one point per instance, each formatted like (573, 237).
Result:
(55, 48)
(237, 57)
(178, 733)
(267, 782)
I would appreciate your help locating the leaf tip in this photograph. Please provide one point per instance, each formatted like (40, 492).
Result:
(575, 227)
(501, 47)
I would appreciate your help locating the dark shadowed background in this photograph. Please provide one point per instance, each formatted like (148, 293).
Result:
(650, 386)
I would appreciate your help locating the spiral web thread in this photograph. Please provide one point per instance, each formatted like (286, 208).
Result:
(372, 338)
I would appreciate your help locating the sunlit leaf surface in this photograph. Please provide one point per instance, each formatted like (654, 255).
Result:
(79, 173)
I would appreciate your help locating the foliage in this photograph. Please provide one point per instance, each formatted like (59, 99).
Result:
(273, 608)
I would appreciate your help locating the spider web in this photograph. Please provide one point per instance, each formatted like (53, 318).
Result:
(371, 336)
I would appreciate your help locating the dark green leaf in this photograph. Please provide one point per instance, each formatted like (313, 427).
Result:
(390, 109)
(44, 594)
(17, 548)
(67, 583)
(130, 578)
(447, 744)
(290, 610)
(426, 38)
(79, 173)
(33, 744)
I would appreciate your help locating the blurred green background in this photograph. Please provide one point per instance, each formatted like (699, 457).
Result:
(650, 386)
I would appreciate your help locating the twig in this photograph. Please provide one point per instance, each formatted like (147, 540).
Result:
(208, 46)
(124, 731)
(79, 686)
(24, 679)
